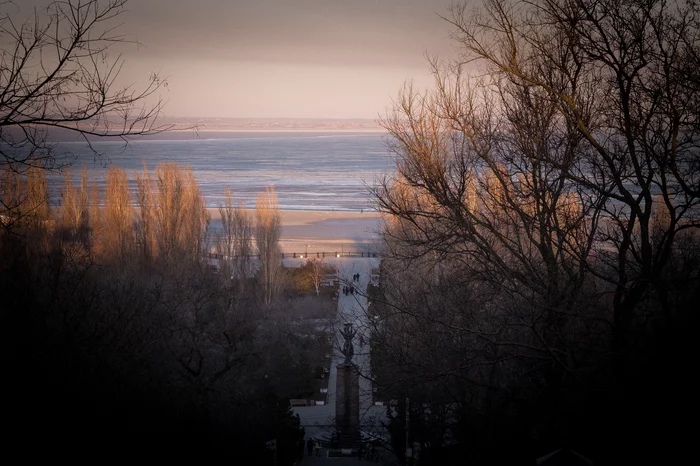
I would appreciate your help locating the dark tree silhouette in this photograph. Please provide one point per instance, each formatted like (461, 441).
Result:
(57, 73)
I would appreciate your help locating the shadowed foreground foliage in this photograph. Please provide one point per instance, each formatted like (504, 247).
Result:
(542, 270)
(107, 342)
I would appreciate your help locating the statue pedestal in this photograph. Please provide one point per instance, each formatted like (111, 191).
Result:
(347, 405)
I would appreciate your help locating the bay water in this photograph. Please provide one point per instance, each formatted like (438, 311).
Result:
(310, 171)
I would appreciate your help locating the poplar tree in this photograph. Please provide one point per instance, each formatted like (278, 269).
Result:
(268, 225)
(118, 232)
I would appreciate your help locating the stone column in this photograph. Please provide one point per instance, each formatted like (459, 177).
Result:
(347, 405)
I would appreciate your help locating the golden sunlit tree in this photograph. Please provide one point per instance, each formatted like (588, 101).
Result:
(57, 75)
(117, 234)
(195, 228)
(95, 211)
(234, 242)
(145, 226)
(268, 226)
(75, 211)
(173, 220)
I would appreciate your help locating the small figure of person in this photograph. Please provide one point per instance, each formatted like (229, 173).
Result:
(362, 341)
(317, 448)
(310, 445)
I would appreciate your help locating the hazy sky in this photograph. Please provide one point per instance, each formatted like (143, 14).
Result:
(283, 58)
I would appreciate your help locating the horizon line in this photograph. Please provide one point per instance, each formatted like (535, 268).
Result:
(268, 118)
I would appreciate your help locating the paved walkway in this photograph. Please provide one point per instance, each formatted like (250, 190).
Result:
(314, 460)
(351, 308)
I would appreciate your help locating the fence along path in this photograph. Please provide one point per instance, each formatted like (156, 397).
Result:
(304, 255)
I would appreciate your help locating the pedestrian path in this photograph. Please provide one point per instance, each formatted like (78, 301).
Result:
(344, 461)
(351, 309)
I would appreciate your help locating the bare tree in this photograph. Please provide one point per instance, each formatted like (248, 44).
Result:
(235, 240)
(470, 195)
(196, 216)
(267, 235)
(95, 212)
(117, 236)
(37, 198)
(173, 221)
(244, 228)
(169, 206)
(317, 271)
(544, 210)
(56, 74)
(625, 78)
(10, 196)
(75, 209)
(145, 226)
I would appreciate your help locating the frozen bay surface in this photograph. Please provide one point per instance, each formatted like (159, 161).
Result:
(310, 171)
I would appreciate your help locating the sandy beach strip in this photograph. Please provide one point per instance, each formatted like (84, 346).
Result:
(307, 217)
(317, 231)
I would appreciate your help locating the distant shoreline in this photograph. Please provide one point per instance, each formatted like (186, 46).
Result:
(193, 134)
(278, 130)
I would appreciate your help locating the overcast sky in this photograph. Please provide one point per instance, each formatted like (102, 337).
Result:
(283, 58)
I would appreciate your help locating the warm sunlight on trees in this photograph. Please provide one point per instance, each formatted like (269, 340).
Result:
(173, 219)
(196, 225)
(317, 271)
(117, 235)
(145, 228)
(96, 334)
(268, 227)
(35, 208)
(622, 78)
(544, 213)
(58, 78)
(235, 240)
(75, 209)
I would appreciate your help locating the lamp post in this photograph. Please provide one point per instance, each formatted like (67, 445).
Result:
(409, 452)
(341, 249)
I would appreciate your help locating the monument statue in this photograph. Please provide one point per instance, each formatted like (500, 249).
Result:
(348, 351)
